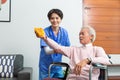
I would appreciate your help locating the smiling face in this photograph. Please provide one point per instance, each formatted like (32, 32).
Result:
(84, 36)
(55, 20)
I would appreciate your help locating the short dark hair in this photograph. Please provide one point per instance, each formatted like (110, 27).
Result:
(57, 11)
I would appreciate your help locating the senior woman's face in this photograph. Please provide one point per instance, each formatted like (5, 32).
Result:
(84, 36)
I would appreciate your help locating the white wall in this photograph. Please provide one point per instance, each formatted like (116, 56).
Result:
(18, 35)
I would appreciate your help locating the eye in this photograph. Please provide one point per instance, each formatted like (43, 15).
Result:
(81, 33)
(52, 18)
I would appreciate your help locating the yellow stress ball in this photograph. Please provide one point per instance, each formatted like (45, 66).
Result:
(39, 32)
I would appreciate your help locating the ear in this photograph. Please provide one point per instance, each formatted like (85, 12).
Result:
(91, 37)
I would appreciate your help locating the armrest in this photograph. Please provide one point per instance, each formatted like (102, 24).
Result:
(98, 65)
(25, 74)
(60, 64)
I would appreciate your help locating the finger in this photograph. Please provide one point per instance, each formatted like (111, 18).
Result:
(76, 70)
(79, 71)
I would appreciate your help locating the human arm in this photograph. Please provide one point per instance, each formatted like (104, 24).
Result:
(41, 33)
(55, 46)
(48, 50)
(100, 56)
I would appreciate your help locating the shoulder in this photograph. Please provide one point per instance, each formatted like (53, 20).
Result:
(46, 28)
(98, 47)
(63, 30)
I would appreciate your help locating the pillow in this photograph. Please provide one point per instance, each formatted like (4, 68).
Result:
(7, 66)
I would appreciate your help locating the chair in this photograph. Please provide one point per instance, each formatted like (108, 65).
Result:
(19, 72)
(103, 71)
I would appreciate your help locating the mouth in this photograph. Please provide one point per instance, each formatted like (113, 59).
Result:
(81, 39)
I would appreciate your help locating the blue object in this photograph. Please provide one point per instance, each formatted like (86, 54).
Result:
(45, 60)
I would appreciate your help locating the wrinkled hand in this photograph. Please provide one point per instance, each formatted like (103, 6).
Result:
(79, 66)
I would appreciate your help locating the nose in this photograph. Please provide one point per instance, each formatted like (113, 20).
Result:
(54, 19)
(80, 35)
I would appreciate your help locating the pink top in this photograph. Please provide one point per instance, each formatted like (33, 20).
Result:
(76, 54)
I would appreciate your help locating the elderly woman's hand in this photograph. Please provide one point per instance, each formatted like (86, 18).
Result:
(79, 66)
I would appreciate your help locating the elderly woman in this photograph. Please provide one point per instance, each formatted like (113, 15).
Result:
(81, 57)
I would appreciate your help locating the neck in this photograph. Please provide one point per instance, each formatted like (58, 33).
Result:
(87, 44)
(56, 29)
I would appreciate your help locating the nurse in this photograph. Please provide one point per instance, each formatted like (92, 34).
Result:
(59, 35)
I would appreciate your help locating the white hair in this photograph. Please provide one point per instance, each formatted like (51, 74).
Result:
(91, 32)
